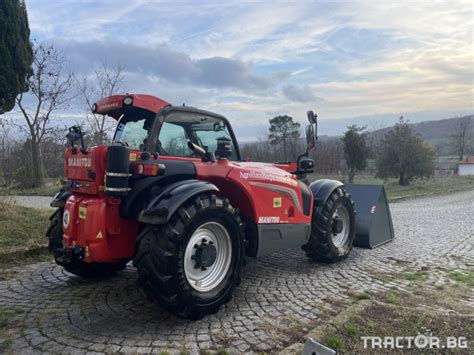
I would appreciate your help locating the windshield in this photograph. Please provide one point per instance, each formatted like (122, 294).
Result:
(133, 129)
(180, 127)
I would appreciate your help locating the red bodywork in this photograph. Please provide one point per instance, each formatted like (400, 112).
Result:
(264, 193)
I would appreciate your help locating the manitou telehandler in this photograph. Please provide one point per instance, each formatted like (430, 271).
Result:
(173, 194)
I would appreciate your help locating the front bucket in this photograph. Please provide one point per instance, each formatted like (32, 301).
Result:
(373, 220)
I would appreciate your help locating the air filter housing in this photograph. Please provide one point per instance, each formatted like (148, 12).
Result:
(117, 171)
(224, 150)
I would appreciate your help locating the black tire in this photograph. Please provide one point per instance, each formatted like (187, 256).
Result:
(77, 267)
(160, 257)
(321, 246)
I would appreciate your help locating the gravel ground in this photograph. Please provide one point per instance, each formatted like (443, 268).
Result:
(281, 297)
(32, 201)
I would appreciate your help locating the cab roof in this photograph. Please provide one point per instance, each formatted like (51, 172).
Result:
(114, 105)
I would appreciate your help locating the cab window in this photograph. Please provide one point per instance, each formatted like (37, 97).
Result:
(180, 127)
(173, 140)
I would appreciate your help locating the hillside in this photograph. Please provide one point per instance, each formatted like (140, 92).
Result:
(435, 131)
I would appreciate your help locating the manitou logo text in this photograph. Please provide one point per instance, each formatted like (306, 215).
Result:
(268, 219)
(80, 162)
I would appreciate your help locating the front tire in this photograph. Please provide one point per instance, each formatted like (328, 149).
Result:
(76, 267)
(192, 264)
(332, 229)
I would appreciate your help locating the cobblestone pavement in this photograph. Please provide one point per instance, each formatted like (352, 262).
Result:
(280, 294)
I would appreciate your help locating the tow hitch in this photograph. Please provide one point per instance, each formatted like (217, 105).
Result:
(65, 256)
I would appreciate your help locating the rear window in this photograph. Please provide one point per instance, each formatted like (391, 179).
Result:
(133, 130)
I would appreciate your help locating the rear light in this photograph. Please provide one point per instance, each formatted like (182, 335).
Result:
(139, 169)
(145, 169)
(128, 100)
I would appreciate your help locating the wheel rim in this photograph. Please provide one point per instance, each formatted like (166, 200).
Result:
(340, 226)
(207, 256)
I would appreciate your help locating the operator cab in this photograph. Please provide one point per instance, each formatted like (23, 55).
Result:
(169, 132)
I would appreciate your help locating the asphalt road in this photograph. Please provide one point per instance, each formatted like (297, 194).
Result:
(281, 296)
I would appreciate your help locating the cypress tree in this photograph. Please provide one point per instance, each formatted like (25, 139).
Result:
(16, 54)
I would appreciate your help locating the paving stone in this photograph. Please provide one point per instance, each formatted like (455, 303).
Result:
(64, 313)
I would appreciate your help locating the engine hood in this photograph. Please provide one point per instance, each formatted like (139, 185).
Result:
(264, 172)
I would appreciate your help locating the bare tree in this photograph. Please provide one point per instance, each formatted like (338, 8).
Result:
(104, 81)
(49, 91)
(459, 138)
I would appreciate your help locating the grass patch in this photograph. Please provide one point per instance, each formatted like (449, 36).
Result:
(388, 320)
(416, 276)
(353, 330)
(10, 327)
(467, 277)
(392, 297)
(22, 235)
(421, 187)
(363, 296)
(333, 342)
(430, 310)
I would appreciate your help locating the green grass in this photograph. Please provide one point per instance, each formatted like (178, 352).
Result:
(11, 327)
(416, 276)
(425, 187)
(392, 297)
(363, 296)
(465, 277)
(353, 330)
(430, 311)
(333, 342)
(22, 234)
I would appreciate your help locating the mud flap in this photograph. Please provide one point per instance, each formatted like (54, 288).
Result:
(374, 225)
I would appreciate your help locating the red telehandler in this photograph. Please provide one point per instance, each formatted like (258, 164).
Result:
(172, 194)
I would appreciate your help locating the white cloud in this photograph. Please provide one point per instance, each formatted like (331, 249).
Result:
(360, 57)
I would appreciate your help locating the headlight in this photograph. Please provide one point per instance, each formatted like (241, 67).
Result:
(128, 100)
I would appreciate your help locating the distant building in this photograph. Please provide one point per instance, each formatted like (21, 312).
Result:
(445, 168)
(466, 167)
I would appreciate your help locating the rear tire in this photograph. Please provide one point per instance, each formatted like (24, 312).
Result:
(77, 267)
(331, 240)
(192, 264)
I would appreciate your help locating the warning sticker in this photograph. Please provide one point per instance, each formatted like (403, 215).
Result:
(276, 202)
(99, 236)
(82, 212)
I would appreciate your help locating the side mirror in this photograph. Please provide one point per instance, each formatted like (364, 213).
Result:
(312, 117)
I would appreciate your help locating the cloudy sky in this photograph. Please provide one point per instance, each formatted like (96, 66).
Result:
(351, 61)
